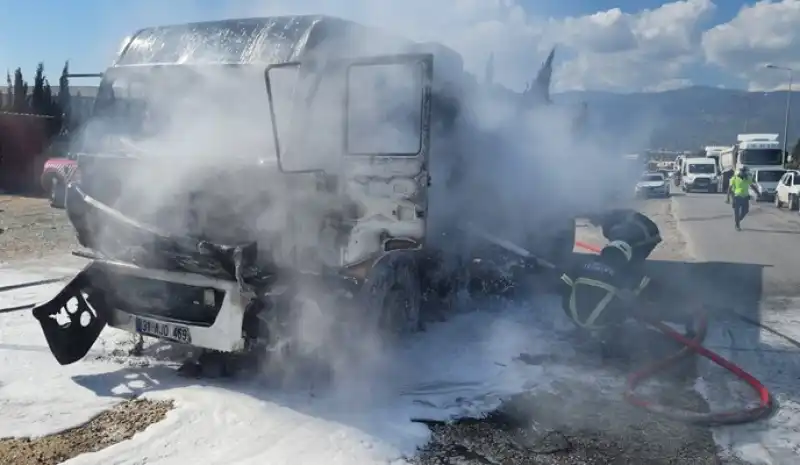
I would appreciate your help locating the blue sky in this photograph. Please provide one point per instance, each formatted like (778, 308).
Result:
(88, 32)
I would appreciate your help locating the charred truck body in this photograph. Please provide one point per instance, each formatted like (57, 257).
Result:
(209, 230)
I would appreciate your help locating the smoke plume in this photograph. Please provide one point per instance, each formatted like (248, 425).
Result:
(510, 161)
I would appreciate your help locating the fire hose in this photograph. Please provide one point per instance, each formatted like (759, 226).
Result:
(766, 403)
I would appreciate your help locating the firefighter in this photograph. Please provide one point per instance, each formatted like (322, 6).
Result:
(599, 295)
(632, 227)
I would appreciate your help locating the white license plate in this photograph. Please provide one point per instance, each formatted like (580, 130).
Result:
(162, 330)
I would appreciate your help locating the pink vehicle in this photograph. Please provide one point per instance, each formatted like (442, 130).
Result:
(56, 174)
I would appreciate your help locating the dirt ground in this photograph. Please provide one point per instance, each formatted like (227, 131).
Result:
(108, 428)
(30, 229)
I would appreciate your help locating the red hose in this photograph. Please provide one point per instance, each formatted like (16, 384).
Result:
(747, 415)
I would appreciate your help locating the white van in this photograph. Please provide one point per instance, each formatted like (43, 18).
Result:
(699, 174)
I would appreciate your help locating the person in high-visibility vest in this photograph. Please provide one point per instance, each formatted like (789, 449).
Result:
(599, 295)
(739, 189)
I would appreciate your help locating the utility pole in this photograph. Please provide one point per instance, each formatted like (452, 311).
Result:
(788, 105)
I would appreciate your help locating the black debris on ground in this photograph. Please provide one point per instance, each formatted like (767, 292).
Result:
(534, 429)
(578, 423)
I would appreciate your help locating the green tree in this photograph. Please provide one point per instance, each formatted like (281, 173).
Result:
(10, 92)
(53, 109)
(38, 101)
(19, 102)
(64, 98)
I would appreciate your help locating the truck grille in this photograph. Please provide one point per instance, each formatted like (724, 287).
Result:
(157, 299)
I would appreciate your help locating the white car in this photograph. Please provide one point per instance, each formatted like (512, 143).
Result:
(652, 185)
(788, 190)
(766, 181)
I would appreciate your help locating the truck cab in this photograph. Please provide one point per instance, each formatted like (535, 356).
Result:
(207, 204)
(754, 151)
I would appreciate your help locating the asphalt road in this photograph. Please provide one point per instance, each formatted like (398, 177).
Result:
(763, 258)
(756, 273)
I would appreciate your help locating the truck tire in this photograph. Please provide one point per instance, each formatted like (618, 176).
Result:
(793, 202)
(58, 192)
(391, 298)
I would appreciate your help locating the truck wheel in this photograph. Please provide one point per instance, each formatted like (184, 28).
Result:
(793, 202)
(391, 297)
(58, 192)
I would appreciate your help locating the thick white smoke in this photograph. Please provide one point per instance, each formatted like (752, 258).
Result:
(526, 171)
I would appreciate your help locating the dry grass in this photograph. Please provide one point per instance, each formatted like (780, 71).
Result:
(31, 229)
(108, 428)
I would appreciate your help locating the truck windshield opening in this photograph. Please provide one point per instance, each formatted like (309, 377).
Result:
(143, 103)
(701, 169)
(761, 157)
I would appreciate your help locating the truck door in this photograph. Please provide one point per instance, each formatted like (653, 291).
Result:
(386, 147)
(364, 122)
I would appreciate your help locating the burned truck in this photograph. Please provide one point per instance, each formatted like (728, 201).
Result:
(232, 169)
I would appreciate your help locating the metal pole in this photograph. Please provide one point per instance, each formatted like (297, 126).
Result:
(788, 105)
(786, 118)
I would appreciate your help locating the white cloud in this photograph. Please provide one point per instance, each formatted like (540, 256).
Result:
(766, 32)
(609, 50)
(657, 46)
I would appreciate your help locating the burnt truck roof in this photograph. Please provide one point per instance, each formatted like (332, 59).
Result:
(272, 40)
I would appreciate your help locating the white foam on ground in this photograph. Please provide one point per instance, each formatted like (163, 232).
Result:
(463, 366)
(776, 363)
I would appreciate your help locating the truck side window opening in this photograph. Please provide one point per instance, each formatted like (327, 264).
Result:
(384, 113)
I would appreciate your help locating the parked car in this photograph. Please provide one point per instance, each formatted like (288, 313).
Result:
(652, 184)
(56, 174)
(766, 181)
(788, 190)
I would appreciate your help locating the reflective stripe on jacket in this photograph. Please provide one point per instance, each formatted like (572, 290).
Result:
(602, 304)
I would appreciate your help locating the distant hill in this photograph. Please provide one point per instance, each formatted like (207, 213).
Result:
(682, 119)
(689, 118)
